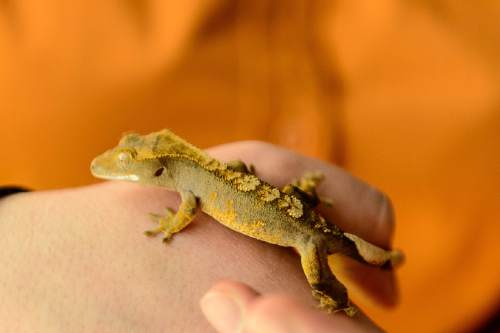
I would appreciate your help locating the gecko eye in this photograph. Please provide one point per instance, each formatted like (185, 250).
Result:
(124, 156)
(159, 172)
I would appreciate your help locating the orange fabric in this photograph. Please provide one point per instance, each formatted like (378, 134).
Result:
(404, 94)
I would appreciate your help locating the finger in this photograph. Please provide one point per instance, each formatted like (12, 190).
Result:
(366, 281)
(225, 303)
(357, 207)
(251, 313)
(282, 313)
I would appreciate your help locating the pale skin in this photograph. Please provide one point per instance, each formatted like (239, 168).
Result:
(78, 260)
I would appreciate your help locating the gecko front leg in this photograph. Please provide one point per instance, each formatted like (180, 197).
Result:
(172, 222)
(331, 294)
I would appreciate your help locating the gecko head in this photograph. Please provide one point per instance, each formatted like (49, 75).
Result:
(134, 159)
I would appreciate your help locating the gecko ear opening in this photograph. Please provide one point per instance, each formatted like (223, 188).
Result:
(159, 172)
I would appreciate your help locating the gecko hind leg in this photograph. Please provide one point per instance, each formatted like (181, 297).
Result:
(171, 222)
(330, 292)
(305, 189)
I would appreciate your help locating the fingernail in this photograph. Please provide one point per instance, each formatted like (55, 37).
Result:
(222, 311)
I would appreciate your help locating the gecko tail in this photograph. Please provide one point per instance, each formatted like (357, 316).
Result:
(397, 258)
(375, 255)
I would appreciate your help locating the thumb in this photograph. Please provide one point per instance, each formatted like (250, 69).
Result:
(225, 305)
(234, 307)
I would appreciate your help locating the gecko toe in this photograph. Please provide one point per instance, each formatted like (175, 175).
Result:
(155, 217)
(350, 311)
(166, 238)
(151, 233)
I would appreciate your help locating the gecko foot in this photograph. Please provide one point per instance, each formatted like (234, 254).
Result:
(163, 222)
(157, 218)
(326, 303)
(329, 305)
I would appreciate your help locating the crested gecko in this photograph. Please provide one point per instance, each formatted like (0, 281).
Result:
(232, 194)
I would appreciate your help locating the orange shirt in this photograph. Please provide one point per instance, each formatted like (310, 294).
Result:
(403, 94)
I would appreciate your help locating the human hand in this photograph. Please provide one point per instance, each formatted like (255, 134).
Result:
(235, 307)
(76, 259)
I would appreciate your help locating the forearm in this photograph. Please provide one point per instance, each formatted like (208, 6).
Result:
(77, 259)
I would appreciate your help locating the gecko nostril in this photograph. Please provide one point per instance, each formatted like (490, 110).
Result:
(159, 172)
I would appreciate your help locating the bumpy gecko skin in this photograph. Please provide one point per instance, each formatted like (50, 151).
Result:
(233, 195)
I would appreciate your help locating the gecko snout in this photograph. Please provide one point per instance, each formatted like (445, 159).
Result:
(94, 167)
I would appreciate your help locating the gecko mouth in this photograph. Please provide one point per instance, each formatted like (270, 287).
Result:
(99, 171)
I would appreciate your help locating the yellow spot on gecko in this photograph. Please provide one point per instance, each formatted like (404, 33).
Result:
(247, 183)
(227, 215)
(213, 165)
(255, 226)
(268, 193)
(282, 203)
(231, 174)
(294, 206)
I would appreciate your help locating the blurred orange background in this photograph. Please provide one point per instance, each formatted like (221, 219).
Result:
(404, 94)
